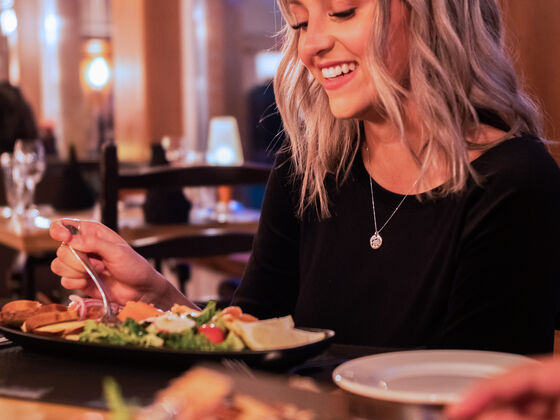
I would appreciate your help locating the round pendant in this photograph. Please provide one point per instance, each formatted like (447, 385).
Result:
(375, 241)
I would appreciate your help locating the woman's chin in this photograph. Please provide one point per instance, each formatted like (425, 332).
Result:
(346, 110)
(342, 113)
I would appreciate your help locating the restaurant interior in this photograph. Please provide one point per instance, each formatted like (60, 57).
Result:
(110, 86)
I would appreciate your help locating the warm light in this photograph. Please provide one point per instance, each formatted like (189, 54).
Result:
(224, 144)
(95, 47)
(224, 155)
(8, 21)
(98, 73)
(266, 64)
(51, 28)
(200, 22)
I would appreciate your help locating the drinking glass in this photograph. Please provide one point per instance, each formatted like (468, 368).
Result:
(28, 168)
(10, 187)
(175, 148)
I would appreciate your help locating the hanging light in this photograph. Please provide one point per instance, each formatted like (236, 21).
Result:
(52, 26)
(8, 21)
(96, 67)
(98, 73)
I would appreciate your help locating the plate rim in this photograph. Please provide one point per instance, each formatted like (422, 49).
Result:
(329, 335)
(413, 397)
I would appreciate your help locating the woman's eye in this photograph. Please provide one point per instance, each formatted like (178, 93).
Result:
(344, 14)
(298, 26)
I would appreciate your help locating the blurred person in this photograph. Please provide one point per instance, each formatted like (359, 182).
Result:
(265, 134)
(528, 392)
(413, 203)
(16, 117)
(265, 123)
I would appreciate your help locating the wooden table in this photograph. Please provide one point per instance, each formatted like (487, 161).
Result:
(39, 247)
(71, 384)
(12, 408)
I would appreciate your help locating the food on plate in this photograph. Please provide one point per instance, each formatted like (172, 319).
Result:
(202, 393)
(14, 313)
(181, 328)
(275, 333)
(176, 331)
(66, 329)
(89, 308)
(32, 316)
(138, 311)
(183, 309)
(54, 319)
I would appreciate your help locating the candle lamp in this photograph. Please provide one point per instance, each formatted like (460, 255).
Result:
(224, 148)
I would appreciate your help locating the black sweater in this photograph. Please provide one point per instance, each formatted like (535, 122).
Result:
(478, 270)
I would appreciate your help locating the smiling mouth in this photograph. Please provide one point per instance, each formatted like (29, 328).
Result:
(333, 72)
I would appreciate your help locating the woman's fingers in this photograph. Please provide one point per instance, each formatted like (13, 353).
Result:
(73, 283)
(92, 237)
(85, 285)
(65, 260)
(60, 233)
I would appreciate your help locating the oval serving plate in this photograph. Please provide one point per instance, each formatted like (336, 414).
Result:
(278, 359)
(430, 377)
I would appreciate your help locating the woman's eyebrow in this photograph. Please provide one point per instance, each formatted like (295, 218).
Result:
(295, 2)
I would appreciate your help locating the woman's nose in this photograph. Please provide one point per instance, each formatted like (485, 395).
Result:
(317, 39)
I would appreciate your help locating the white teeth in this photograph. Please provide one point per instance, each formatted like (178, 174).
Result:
(335, 71)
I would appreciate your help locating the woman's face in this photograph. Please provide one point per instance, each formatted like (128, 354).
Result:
(334, 43)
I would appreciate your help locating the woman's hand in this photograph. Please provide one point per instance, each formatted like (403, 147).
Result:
(126, 274)
(529, 392)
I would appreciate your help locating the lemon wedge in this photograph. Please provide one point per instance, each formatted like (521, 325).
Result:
(275, 333)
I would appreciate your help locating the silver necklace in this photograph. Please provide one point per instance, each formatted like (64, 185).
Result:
(376, 240)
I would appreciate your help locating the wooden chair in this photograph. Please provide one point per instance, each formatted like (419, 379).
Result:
(208, 242)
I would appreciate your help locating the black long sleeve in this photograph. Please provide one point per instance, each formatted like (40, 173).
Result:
(475, 270)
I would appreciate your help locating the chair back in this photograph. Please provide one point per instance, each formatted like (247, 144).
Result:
(114, 179)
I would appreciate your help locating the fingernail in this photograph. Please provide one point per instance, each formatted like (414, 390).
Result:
(72, 229)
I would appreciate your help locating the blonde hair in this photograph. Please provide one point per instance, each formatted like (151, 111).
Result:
(458, 65)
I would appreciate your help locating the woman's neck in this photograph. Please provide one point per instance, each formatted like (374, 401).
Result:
(389, 161)
(392, 164)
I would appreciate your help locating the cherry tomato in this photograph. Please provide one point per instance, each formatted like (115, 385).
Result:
(212, 333)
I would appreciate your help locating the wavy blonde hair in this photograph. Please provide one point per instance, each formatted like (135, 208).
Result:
(458, 65)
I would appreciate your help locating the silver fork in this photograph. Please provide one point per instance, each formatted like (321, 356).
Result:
(109, 317)
(239, 367)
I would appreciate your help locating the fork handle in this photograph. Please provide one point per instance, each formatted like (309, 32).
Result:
(86, 263)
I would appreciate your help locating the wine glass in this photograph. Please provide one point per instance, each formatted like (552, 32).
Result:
(28, 168)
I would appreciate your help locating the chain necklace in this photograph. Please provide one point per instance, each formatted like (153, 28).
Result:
(376, 240)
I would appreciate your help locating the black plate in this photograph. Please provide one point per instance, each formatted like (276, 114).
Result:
(280, 359)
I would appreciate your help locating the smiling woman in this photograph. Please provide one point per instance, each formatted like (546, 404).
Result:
(383, 101)
(415, 59)
(413, 203)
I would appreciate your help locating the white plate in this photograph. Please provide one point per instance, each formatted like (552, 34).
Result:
(421, 376)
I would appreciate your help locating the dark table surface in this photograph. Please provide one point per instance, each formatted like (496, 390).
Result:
(64, 379)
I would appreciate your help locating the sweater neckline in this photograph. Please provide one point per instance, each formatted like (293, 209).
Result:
(390, 197)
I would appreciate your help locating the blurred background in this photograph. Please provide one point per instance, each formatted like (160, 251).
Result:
(138, 70)
(145, 72)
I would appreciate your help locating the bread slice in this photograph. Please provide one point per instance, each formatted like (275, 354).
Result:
(46, 318)
(14, 313)
(21, 305)
(61, 329)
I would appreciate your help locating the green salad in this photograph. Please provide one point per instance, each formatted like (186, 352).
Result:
(206, 331)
